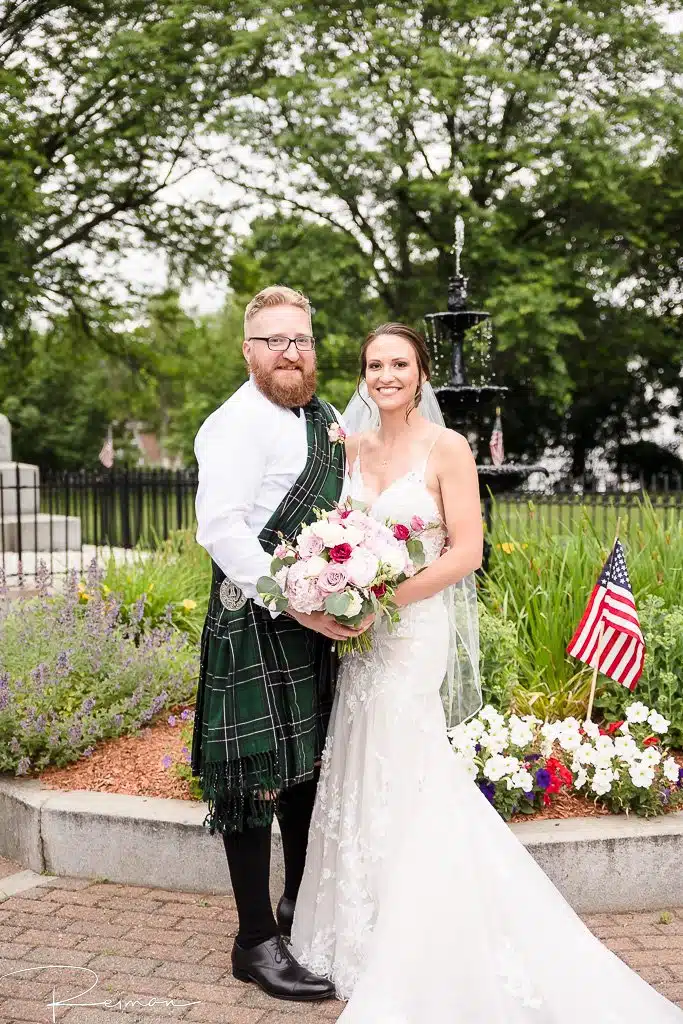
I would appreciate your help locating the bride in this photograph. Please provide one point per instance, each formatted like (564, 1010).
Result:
(417, 900)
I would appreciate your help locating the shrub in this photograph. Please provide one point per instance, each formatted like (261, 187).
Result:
(497, 659)
(661, 684)
(72, 674)
(169, 585)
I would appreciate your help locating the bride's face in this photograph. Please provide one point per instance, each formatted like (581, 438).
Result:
(391, 372)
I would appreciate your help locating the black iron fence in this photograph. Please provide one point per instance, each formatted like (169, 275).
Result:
(65, 519)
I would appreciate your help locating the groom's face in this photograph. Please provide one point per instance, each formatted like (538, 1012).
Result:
(286, 378)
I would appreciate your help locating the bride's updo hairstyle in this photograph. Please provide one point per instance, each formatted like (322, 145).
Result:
(419, 347)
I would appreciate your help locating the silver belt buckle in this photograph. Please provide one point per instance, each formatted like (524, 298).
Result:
(231, 596)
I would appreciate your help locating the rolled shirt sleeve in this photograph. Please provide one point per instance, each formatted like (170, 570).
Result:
(230, 476)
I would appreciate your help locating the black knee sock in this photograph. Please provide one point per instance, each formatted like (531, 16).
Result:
(294, 815)
(248, 854)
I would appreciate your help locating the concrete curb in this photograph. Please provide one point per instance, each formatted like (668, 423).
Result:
(601, 864)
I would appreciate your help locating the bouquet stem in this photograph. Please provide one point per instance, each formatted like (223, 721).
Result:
(355, 644)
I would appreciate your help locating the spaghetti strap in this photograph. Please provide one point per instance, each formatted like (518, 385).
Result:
(425, 461)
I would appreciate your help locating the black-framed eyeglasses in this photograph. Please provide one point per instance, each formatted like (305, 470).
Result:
(280, 342)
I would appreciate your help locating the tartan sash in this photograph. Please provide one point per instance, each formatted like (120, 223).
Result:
(266, 685)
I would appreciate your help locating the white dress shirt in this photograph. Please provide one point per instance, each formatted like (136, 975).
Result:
(250, 452)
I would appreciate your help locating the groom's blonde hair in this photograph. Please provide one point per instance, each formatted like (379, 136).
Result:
(276, 295)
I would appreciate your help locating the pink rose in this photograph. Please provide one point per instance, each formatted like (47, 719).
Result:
(344, 513)
(340, 553)
(333, 580)
(310, 544)
(281, 551)
(416, 524)
(401, 532)
(301, 591)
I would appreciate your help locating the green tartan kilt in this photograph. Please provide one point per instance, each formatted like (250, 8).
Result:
(283, 689)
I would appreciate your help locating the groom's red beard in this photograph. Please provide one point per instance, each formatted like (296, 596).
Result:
(295, 386)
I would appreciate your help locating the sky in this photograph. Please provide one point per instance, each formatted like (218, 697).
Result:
(205, 296)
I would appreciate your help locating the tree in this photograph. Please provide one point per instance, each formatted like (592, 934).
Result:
(101, 106)
(547, 127)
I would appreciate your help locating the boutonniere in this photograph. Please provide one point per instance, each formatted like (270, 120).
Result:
(336, 433)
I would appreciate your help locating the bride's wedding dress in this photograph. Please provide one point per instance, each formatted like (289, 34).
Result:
(417, 899)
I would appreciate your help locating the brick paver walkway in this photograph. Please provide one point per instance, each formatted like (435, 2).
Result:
(149, 944)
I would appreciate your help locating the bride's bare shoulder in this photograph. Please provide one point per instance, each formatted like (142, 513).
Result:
(452, 446)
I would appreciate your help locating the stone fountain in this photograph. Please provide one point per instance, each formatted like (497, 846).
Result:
(465, 405)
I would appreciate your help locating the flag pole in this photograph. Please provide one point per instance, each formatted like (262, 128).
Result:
(601, 634)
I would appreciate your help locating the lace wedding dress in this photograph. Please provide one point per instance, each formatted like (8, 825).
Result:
(417, 899)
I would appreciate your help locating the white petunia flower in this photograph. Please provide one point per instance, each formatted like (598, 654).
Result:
(641, 775)
(490, 715)
(591, 729)
(637, 712)
(522, 780)
(670, 769)
(626, 747)
(602, 782)
(658, 722)
(495, 768)
(521, 734)
(580, 778)
(651, 756)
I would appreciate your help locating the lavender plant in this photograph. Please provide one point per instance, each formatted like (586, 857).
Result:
(71, 673)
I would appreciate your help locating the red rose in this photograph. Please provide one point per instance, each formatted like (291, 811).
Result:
(650, 741)
(345, 513)
(401, 532)
(380, 590)
(341, 553)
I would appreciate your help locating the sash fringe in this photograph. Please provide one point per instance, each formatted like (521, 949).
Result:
(241, 793)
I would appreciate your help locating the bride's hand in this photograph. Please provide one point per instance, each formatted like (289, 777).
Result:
(323, 623)
(366, 623)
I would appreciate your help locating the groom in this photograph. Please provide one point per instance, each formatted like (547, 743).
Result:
(266, 680)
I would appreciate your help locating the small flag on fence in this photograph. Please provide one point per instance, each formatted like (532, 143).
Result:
(496, 442)
(608, 637)
(106, 455)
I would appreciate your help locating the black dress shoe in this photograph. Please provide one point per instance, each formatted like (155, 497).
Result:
(285, 916)
(271, 966)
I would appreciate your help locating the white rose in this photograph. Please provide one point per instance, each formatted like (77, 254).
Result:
(312, 567)
(362, 567)
(330, 534)
(355, 605)
(280, 577)
(670, 769)
(352, 535)
(637, 712)
(393, 557)
(658, 722)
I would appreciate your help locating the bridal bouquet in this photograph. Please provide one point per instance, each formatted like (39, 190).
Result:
(347, 564)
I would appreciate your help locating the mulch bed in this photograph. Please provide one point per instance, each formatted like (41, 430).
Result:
(133, 765)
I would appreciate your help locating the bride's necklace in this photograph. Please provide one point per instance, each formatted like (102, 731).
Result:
(386, 461)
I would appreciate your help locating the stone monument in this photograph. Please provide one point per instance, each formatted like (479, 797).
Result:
(23, 527)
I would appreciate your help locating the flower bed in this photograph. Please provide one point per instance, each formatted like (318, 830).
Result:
(72, 673)
(521, 763)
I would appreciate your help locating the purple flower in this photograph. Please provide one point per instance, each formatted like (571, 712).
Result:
(88, 704)
(530, 796)
(185, 750)
(166, 761)
(543, 778)
(680, 778)
(532, 757)
(75, 734)
(88, 751)
(23, 766)
(186, 714)
(63, 664)
(488, 789)
(666, 793)
(117, 720)
(478, 747)
(172, 720)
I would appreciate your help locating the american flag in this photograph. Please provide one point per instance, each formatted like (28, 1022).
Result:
(106, 455)
(496, 442)
(618, 646)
